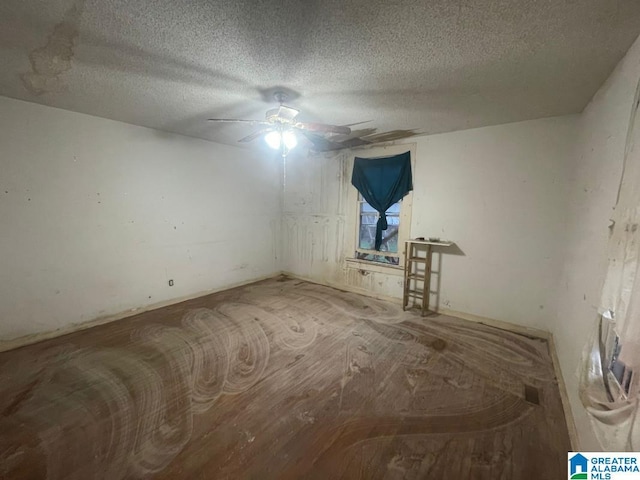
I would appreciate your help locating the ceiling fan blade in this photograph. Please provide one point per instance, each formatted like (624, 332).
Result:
(390, 136)
(357, 123)
(321, 144)
(323, 127)
(254, 135)
(354, 142)
(236, 120)
(364, 132)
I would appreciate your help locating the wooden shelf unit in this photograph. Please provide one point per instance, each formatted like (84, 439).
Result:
(412, 259)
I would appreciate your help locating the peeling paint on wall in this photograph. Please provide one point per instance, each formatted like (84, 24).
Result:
(49, 62)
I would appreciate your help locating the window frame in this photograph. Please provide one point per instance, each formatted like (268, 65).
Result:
(353, 214)
(383, 253)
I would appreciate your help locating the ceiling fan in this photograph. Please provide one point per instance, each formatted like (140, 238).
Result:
(281, 126)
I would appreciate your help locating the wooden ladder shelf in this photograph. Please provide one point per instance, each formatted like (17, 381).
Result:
(418, 253)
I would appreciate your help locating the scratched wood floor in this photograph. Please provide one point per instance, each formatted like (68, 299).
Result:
(282, 379)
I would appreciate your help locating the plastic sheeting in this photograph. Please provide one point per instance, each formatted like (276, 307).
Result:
(621, 292)
(610, 373)
(614, 413)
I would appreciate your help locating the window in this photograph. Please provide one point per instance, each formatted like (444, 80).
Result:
(362, 218)
(367, 220)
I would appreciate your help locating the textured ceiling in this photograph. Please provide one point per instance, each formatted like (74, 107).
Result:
(424, 65)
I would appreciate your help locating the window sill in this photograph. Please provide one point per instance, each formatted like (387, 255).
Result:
(357, 264)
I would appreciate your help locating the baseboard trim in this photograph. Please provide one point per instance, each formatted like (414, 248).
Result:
(510, 327)
(25, 340)
(531, 332)
(564, 396)
(345, 288)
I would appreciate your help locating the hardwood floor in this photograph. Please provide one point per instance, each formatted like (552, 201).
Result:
(282, 379)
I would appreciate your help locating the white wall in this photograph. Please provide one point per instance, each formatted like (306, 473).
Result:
(96, 216)
(595, 179)
(498, 192)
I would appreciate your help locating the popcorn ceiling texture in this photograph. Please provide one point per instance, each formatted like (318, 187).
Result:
(432, 66)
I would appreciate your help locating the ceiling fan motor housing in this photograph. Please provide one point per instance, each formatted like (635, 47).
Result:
(281, 114)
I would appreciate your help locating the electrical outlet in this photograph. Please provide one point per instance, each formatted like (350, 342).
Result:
(171, 283)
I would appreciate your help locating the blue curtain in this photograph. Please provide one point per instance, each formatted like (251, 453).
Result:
(382, 181)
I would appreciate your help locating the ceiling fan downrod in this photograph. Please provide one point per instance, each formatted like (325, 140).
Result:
(280, 97)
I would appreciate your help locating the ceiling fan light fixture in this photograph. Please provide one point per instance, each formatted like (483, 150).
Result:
(289, 139)
(282, 127)
(273, 139)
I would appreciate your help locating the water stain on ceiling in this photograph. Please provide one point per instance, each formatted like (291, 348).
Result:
(53, 59)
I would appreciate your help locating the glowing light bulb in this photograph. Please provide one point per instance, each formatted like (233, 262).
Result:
(289, 139)
(273, 139)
